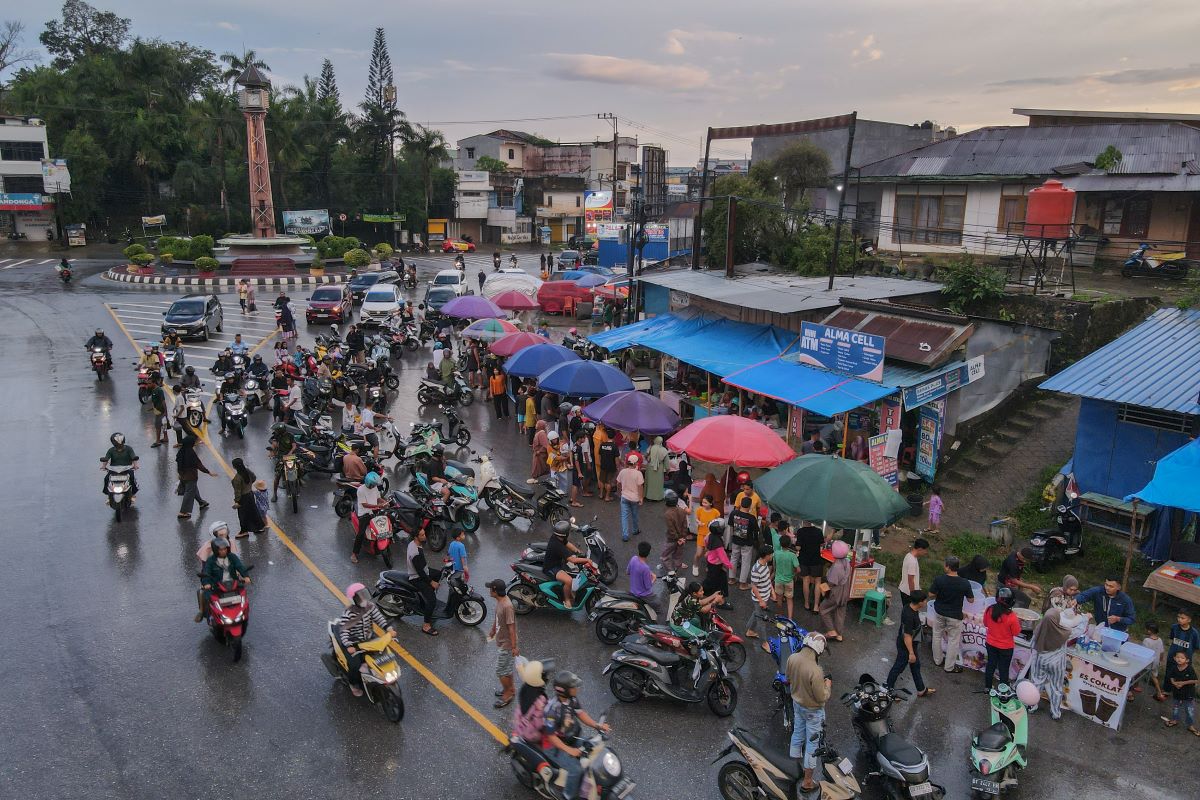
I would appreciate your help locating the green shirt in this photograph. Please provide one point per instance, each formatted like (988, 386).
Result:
(120, 458)
(785, 566)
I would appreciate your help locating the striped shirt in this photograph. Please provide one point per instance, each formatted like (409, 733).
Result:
(760, 576)
(356, 625)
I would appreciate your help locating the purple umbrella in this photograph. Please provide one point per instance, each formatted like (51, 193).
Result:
(633, 411)
(590, 280)
(472, 306)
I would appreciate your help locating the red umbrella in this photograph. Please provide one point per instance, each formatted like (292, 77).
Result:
(512, 300)
(515, 342)
(611, 292)
(727, 439)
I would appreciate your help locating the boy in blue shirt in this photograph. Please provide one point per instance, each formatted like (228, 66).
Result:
(458, 552)
(1184, 638)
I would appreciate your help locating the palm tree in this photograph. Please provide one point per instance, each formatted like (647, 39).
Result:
(238, 64)
(215, 126)
(429, 146)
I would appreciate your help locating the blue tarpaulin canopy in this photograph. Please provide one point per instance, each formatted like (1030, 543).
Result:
(814, 390)
(1176, 481)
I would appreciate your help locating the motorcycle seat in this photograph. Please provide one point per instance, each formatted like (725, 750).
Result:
(395, 579)
(664, 630)
(994, 738)
(898, 750)
(465, 469)
(661, 656)
(524, 491)
(626, 596)
(530, 569)
(774, 750)
(406, 501)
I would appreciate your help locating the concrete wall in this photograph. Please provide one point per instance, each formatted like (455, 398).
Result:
(483, 144)
(873, 141)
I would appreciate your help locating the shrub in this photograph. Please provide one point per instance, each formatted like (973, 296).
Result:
(317, 263)
(133, 250)
(207, 264)
(357, 258)
(336, 246)
(201, 246)
(166, 258)
(171, 244)
(142, 259)
(967, 283)
(384, 249)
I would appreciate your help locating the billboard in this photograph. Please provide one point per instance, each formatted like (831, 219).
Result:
(656, 232)
(597, 208)
(851, 353)
(56, 178)
(312, 223)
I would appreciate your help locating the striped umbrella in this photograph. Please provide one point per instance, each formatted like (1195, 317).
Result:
(489, 330)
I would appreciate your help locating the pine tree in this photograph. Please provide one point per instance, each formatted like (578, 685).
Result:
(327, 88)
(379, 73)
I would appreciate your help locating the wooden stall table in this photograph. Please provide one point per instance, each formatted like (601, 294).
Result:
(1177, 580)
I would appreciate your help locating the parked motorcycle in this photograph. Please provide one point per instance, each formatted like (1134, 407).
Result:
(640, 670)
(378, 535)
(767, 770)
(530, 588)
(685, 640)
(229, 614)
(437, 393)
(1172, 266)
(619, 614)
(900, 765)
(603, 774)
(508, 500)
(100, 364)
(788, 640)
(998, 752)
(455, 430)
(118, 486)
(461, 509)
(397, 597)
(381, 677)
(1051, 545)
(597, 551)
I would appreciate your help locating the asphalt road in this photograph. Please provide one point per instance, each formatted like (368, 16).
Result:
(111, 691)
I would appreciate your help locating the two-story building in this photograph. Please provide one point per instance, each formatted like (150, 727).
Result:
(25, 206)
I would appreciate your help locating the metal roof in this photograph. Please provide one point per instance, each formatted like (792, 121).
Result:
(1155, 365)
(1126, 115)
(786, 294)
(916, 341)
(1147, 148)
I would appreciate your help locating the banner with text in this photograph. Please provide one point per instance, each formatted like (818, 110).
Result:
(941, 385)
(311, 223)
(851, 353)
(884, 467)
(597, 208)
(929, 437)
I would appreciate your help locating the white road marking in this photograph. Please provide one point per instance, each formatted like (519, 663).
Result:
(17, 264)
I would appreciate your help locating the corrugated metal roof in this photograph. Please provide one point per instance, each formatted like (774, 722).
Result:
(916, 341)
(1146, 149)
(1155, 365)
(786, 294)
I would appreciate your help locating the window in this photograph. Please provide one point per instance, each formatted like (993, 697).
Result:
(21, 151)
(578, 201)
(622, 169)
(930, 214)
(1129, 216)
(511, 154)
(620, 200)
(471, 152)
(1013, 199)
(549, 201)
(24, 184)
(1157, 418)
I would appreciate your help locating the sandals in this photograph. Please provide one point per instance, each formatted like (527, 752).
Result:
(928, 691)
(1193, 731)
(432, 632)
(502, 703)
(1170, 723)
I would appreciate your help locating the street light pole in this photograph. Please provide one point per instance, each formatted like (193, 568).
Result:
(841, 213)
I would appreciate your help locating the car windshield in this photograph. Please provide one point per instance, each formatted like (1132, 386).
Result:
(186, 308)
(568, 255)
(439, 295)
(384, 294)
(444, 280)
(363, 280)
(327, 295)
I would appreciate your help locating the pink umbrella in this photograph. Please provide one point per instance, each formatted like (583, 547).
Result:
(515, 342)
(728, 439)
(512, 300)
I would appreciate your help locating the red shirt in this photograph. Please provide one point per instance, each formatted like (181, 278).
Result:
(1000, 634)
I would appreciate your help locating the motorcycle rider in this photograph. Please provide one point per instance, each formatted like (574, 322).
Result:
(562, 728)
(434, 469)
(560, 552)
(239, 347)
(230, 385)
(355, 626)
(101, 340)
(218, 531)
(368, 501)
(223, 566)
(120, 455)
(258, 368)
(694, 606)
(496, 261)
(149, 360)
(224, 362)
(281, 444)
(422, 577)
(190, 379)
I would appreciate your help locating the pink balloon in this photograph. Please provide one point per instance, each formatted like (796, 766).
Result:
(1028, 694)
(839, 549)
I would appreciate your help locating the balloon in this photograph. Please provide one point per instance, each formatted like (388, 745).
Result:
(1028, 694)
(840, 549)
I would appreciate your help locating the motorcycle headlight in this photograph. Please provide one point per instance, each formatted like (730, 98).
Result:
(391, 675)
(611, 764)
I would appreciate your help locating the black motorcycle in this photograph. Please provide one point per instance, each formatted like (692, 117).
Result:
(640, 670)
(397, 597)
(603, 774)
(899, 764)
(1051, 545)
(437, 393)
(597, 550)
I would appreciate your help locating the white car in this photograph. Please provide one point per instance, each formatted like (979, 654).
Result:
(381, 303)
(452, 278)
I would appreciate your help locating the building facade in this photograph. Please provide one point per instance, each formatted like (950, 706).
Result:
(25, 206)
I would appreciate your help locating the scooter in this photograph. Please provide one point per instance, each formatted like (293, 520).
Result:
(461, 509)
(99, 359)
(397, 597)
(619, 614)
(234, 409)
(380, 673)
(789, 640)
(229, 614)
(64, 275)
(901, 766)
(639, 670)
(455, 429)
(530, 588)
(685, 640)
(256, 393)
(378, 535)
(603, 774)
(193, 403)
(1139, 263)
(597, 551)
(118, 485)
(436, 393)
(767, 770)
(998, 752)
(173, 360)
(1050, 545)
(506, 499)
(290, 470)
(145, 384)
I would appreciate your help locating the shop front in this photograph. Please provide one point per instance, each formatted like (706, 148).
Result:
(28, 216)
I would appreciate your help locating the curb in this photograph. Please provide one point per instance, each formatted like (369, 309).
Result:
(165, 280)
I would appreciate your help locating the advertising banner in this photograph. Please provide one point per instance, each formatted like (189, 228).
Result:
(942, 385)
(929, 438)
(882, 465)
(851, 353)
(973, 651)
(609, 230)
(597, 208)
(312, 223)
(157, 219)
(56, 178)
(656, 232)
(383, 218)
(25, 202)
(1095, 692)
(889, 415)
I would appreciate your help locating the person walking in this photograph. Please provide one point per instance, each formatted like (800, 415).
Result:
(910, 570)
(499, 391)
(705, 514)
(481, 276)
(504, 633)
(809, 540)
(760, 591)
(676, 518)
(242, 287)
(811, 689)
(179, 414)
(1003, 627)
(188, 467)
(243, 480)
(743, 528)
(158, 399)
(541, 449)
(585, 469)
(633, 488)
(906, 643)
(948, 592)
(1049, 667)
(786, 565)
(656, 469)
(606, 463)
(251, 300)
(836, 591)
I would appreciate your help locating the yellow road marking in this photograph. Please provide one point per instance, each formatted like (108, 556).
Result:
(413, 662)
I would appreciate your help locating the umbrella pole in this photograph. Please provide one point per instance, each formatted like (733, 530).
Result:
(662, 373)
(1133, 530)
(845, 431)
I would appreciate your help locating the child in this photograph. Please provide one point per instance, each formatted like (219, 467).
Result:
(760, 589)
(1184, 638)
(935, 509)
(281, 352)
(1152, 642)
(458, 553)
(786, 564)
(705, 514)
(521, 409)
(1182, 680)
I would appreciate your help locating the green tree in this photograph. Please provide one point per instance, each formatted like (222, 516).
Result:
(83, 32)
(430, 149)
(491, 165)
(965, 283)
(235, 65)
(794, 170)
(327, 91)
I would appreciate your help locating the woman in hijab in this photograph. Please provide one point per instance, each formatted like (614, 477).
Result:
(1062, 596)
(681, 476)
(715, 490)
(188, 467)
(243, 480)
(541, 449)
(656, 469)
(837, 592)
(1049, 666)
(976, 570)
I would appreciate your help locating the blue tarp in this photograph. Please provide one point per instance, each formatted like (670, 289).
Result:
(1176, 480)
(639, 333)
(814, 390)
(723, 346)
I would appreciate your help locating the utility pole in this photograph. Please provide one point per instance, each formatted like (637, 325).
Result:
(698, 224)
(389, 97)
(841, 212)
(613, 119)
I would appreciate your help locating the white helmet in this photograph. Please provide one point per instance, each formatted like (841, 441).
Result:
(816, 641)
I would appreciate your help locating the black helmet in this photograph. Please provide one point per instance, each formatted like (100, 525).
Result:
(670, 497)
(565, 681)
(438, 450)
(117, 439)
(1005, 597)
(562, 529)
(257, 359)
(190, 370)
(278, 426)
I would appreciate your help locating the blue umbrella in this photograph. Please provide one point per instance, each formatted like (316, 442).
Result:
(533, 361)
(590, 280)
(584, 379)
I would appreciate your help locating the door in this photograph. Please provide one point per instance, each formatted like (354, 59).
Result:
(1193, 234)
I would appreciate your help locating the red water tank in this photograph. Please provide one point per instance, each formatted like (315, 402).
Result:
(1049, 211)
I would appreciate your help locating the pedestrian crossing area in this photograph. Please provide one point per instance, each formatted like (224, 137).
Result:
(15, 263)
(143, 319)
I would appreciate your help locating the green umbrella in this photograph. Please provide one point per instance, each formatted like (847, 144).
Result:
(846, 494)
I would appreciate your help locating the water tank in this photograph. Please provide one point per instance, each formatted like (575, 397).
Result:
(1049, 211)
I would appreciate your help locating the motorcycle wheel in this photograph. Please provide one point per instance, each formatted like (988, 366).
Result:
(523, 599)
(237, 649)
(627, 684)
(734, 655)
(411, 344)
(437, 537)
(789, 713)
(502, 511)
(424, 398)
(609, 571)
(469, 520)
(343, 507)
(295, 495)
(117, 509)
(523, 775)
(384, 484)
(392, 704)
(722, 697)
(241, 432)
(392, 382)
(143, 396)
(470, 612)
(591, 601)
(557, 514)
(609, 628)
(463, 437)
(386, 555)
(194, 418)
(466, 397)
(736, 781)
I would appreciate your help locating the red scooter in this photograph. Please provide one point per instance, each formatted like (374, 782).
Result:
(667, 637)
(378, 535)
(145, 384)
(229, 614)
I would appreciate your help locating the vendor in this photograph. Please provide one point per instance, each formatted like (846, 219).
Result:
(1112, 607)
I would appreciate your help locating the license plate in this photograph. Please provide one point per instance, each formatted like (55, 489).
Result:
(172, 330)
(981, 784)
(847, 767)
(921, 789)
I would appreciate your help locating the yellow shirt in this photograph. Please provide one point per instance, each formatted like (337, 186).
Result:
(754, 501)
(530, 411)
(703, 517)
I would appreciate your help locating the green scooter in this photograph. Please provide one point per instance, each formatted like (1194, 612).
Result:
(998, 752)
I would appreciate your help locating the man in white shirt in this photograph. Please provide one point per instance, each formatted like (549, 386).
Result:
(910, 570)
(295, 401)
(368, 500)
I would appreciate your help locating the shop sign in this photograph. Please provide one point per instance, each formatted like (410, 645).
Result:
(889, 415)
(597, 208)
(846, 352)
(941, 385)
(882, 465)
(312, 222)
(56, 178)
(381, 217)
(25, 202)
(656, 232)
(929, 437)
(609, 230)
(1095, 692)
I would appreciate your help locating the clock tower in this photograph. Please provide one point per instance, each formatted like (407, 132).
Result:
(253, 99)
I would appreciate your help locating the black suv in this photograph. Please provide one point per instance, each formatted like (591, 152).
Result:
(361, 283)
(194, 316)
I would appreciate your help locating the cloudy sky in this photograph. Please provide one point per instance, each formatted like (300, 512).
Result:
(668, 69)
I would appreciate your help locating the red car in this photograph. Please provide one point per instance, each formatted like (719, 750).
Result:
(329, 304)
(552, 294)
(457, 246)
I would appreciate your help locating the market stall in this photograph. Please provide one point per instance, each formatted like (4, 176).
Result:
(1098, 682)
(1181, 580)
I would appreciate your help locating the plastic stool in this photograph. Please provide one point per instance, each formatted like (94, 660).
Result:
(874, 607)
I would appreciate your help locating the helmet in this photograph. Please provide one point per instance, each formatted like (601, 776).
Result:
(576, 409)
(371, 479)
(743, 477)
(717, 526)
(562, 529)
(437, 346)
(117, 439)
(590, 427)
(99, 331)
(228, 351)
(219, 542)
(438, 450)
(670, 497)
(352, 592)
(257, 359)
(573, 331)
(1005, 597)
(277, 427)
(563, 408)
(146, 349)
(230, 376)
(190, 370)
(816, 641)
(215, 529)
(565, 681)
